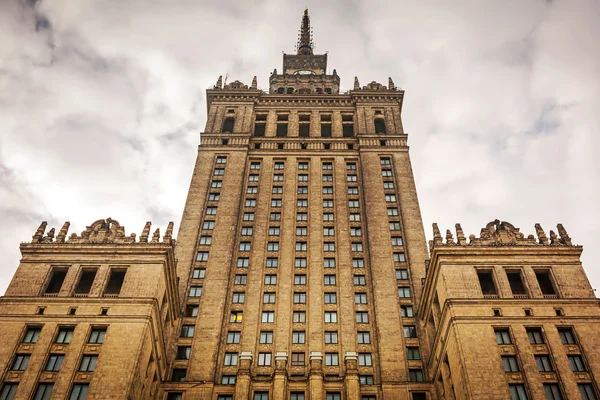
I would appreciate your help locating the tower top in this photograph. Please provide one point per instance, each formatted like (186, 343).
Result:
(305, 43)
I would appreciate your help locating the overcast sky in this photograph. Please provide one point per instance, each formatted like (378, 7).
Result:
(102, 102)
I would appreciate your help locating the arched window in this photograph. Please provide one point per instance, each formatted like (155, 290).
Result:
(304, 91)
(290, 90)
(379, 125)
(228, 125)
(280, 90)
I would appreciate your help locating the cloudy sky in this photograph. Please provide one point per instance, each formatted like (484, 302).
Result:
(102, 102)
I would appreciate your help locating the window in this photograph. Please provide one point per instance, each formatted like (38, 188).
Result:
(202, 256)
(358, 263)
(351, 178)
(57, 277)
(587, 391)
(329, 280)
(486, 281)
(535, 335)
(255, 165)
(199, 273)
(250, 203)
(259, 128)
(410, 331)
(97, 336)
(183, 352)
(392, 212)
(413, 353)
(328, 190)
(270, 279)
(20, 362)
(231, 359)
(354, 217)
(333, 396)
(379, 125)
(228, 125)
(273, 246)
(332, 359)
(278, 178)
(214, 197)
(566, 335)
(243, 262)
(355, 232)
(236, 317)
(208, 225)
(275, 216)
(331, 337)
(359, 280)
(297, 395)
(264, 359)
(298, 337)
(300, 246)
(516, 283)
(399, 257)
(32, 334)
(269, 297)
(327, 178)
(329, 263)
(267, 317)
(85, 281)
(282, 129)
(302, 203)
(415, 375)
(360, 298)
(545, 282)
(386, 173)
(327, 217)
(352, 190)
(245, 246)
(216, 184)
(277, 190)
(299, 317)
(328, 231)
(187, 331)
(363, 337)
(238, 297)
(274, 231)
(64, 335)
(331, 317)
(303, 178)
(302, 189)
(517, 391)
(357, 246)
(326, 130)
(543, 363)
(362, 317)
(44, 391)
(406, 311)
(394, 226)
(266, 337)
(8, 391)
(54, 362)
(211, 210)
(576, 363)
(228, 380)
(263, 395)
(347, 130)
(510, 364)
(404, 292)
(301, 216)
(402, 274)
(303, 166)
(88, 363)
(247, 231)
(330, 298)
(252, 190)
(219, 171)
(252, 178)
(298, 359)
(233, 337)
(301, 231)
(279, 165)
(225, 396)
(365, 359)
(195, 291)
(299, 279)
(327, 203)
(552, 391)
(191, 310)
(502, 336)
(79, 391)
(300, 263)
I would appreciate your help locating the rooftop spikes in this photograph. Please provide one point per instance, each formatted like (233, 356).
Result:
(305, 43)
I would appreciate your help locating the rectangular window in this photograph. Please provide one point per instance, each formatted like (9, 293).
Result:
(299, 298)
(327, 203)
(362, 317)
(252, 190)
(115, 282)
(250, 203)
(216, 184)
(269, 298)
(219, 171)
(243, 262)
(245, 246)
(275, 216)
(360, 298)
(279, 165)
(199, 273)
(20, 362)
(57, 277)
(328, 190)
(298, 337)
(330, 298)
(228, 380)
(248, 216)
(211, 210)
(299, 279)
(202, 256)
(576, 363)
(587, 391)
(302, 203)
(397, 241)
(413, 353)
(486, 281)
(32, 334)
(386, 173)
(388, 185)
(365, 359)
(327, 178)
(268, 317)
(325, 130)
(357, 246)
(208, 225)
(85, 281)
(297, 395)
(303, 178)
(355, 232)
(274, 231)
(303, 166)
(502, 336)
(352, 190)
(54, 362)
(410, 331)
(187, 331)
(543, 363)
(300, 262)
(394, 226)
(195, 291)
(264, 359)
(253, 178)
(301, 231)
(516, 283)
(221, 160)
(88, 363)
(236, 317)
(404, 292)
(402, 274)
(415, 375)
(273, 246)
(300, 246)
(333, 396)
(366, 380)
(354, 217)
(327, 217)
(183, 352)
(191, 310)
(79, 391)
(266, 337)
(302, 189)
(43, 392)
(545, 282)
(238, 297)
(552, 391)
(406, 311)
(351, 178)
(247, 231)
(97, 336)
(231, 359)
(328, 231)
(535, 335)
(392, 212)
(358, 263)
(329, 263)
(363, 337)
(510, 364)
(331, 337)
(329, 280)
(270, 279)
(282, 130)
(348, 130)
(566, 335)
(330, 317)
(332, 359)
(399, 257)
(64, 335)
(329, 246)
(233, 337)
(277, 190)
(298, 359)
(299, 317)
(255, 165)
(360, 280)
(278, 178)
(301, 216)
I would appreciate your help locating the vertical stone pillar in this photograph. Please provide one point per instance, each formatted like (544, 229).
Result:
(280, 379)
(336, 124)
(315, 124)
(316, 375)
(242, 382)
(352, 382)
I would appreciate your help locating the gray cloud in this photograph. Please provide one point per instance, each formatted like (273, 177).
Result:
(101, 104)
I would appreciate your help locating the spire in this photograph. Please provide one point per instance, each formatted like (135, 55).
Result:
(305, 44)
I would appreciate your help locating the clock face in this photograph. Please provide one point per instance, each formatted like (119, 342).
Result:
(304, 72)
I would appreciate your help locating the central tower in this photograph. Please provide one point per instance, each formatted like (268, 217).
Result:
(301, 248)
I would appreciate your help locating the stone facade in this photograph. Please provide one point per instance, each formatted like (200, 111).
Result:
(301, 271)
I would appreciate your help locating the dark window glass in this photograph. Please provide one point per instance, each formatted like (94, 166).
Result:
(228, 125)
(516, 283)
(552, 391)
(304, 130)
(115, 282)
(487, 283)
(282, 130)
(85, 281)
(348, 130)
(545, 282)
(379, 125)
(259, 129)
(56, 280)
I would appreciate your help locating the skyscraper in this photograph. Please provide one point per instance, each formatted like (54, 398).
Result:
(301, 271)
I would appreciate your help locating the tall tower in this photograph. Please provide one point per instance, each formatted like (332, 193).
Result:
(301, 248)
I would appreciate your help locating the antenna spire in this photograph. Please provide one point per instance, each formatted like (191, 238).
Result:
(305, 43)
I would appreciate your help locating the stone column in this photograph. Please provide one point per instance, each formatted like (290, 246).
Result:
(352, 382)
(242, 382)
(280, 379)
(316, 375)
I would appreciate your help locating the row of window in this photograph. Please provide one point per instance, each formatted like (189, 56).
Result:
(296, 395)
(85, 281)
(517, 286)
(44, 391)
